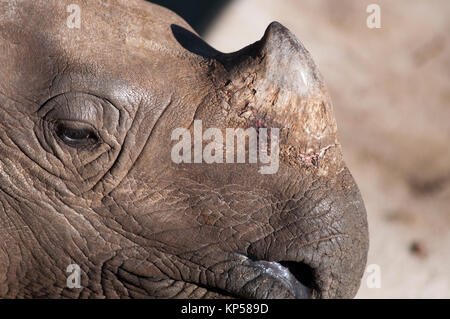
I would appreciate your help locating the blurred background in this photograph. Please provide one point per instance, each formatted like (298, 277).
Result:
(391, 94)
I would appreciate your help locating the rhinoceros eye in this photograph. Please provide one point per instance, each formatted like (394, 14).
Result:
(75, 135)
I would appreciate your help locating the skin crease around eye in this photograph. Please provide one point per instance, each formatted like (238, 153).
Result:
(76, 120)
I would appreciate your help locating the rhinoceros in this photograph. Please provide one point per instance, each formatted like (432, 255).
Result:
(92, 202)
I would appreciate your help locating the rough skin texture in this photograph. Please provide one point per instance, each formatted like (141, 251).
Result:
(138, 224)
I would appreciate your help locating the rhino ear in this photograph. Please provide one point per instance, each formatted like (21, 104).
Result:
(280, 58)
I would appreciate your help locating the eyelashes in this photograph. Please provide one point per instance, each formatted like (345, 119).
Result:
(76, 134)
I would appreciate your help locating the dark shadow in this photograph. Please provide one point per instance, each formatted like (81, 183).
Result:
(193, 43)
(198, 13)
(196, 45)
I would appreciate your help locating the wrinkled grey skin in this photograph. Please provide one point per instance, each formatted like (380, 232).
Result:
(86, 177)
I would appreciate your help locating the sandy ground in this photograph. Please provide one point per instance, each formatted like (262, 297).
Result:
(391, 93)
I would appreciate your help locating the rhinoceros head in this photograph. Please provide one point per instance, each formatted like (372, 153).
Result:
(157, 166)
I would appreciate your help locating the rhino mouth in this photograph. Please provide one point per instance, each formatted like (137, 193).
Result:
(274, 280)
(249, 280)
(293, 276)
(263, 279)
(298, 275)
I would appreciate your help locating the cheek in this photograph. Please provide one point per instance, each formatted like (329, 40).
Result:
(187, 215)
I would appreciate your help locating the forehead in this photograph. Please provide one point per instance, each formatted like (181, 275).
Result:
(102, 23)
(126, 41)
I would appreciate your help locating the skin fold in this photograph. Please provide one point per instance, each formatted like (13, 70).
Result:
(86, 176)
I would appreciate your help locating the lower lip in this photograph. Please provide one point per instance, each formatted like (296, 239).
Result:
(274, 269)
